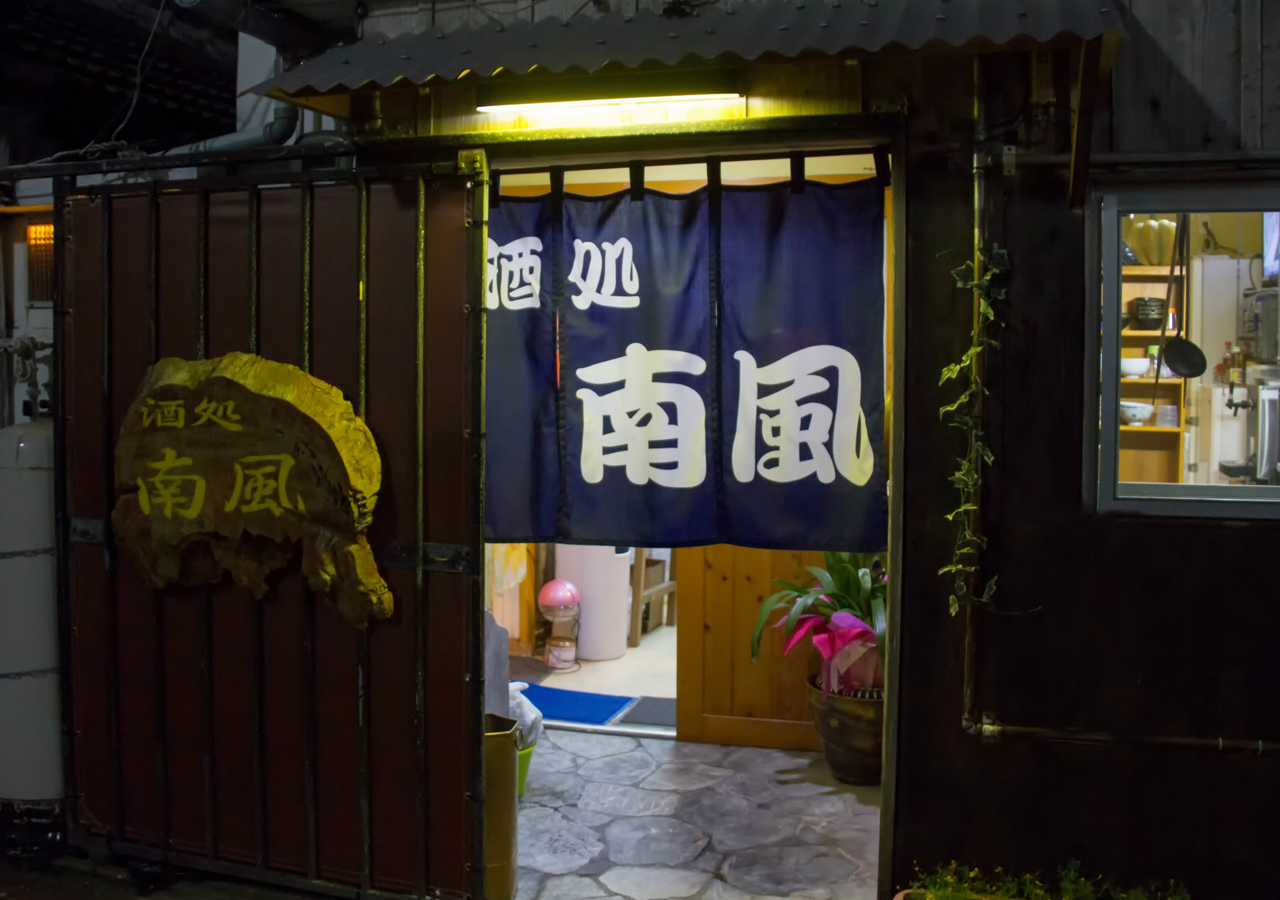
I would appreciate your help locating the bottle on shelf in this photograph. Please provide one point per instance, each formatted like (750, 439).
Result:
(1153, 360)
(1224, 367)
(1237, 364)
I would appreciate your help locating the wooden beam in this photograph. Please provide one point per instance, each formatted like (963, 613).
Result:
(1082, 130)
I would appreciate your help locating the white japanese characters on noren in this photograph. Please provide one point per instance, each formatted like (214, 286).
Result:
(514, 274)
(787, 424)
(640, 415)
(598, 272)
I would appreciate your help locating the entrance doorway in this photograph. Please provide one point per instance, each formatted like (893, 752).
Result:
(680, 766)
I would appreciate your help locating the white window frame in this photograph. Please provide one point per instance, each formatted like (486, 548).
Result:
(1102, 425)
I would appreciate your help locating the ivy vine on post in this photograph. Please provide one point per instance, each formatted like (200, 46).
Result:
(986, 282)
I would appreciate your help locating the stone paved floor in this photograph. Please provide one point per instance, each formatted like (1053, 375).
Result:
(605, 816)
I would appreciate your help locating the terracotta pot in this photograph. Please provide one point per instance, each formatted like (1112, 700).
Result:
(851, 729)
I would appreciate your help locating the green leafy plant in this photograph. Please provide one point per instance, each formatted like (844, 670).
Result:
(956, 882)
(844, 604)
(986, 283)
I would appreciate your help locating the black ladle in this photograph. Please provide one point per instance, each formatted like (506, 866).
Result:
(1184, 358)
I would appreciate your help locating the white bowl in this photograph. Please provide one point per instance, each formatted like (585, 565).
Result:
(1135, 413)
(1134, 366)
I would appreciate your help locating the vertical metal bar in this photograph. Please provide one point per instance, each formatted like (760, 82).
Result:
(715, 200)
(362, 648)
(206, 762)
(153, 273)
(206, 637)
(479, 198)
(258, 643)
(109, 546)
(202, 275)
(255, 218)
(419, 675)
(362, 193)
(157, 597)
(259, 779)
(62, 515)
(309, 598)
(308, 231)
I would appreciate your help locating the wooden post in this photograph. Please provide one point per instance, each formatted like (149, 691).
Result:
(637, 597)
(1082, 134)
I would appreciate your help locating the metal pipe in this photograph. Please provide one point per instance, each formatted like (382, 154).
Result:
(283, 125)
(993, 730)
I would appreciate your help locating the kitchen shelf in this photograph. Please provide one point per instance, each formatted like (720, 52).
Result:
(1174, 380)
(1128, 332)
(1158, 429)
(1149, 271)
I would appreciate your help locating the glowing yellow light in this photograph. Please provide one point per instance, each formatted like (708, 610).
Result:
(611, 101)
(39, 234)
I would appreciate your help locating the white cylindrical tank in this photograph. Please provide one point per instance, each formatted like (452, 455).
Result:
(602, 576)
(30, 714)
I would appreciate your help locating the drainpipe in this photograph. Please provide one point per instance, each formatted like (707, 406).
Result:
(273, 134)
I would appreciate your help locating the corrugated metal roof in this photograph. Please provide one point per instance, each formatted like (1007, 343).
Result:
(748, 32)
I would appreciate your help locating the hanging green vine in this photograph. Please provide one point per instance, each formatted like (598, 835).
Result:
(985, 281)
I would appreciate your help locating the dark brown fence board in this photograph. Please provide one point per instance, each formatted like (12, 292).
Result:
(234, 725)
(182, 611)
(450, 766)
(228, 317)
(450, 519)
(390, 383)
(335, 287)
(90, 695)
(178, 315)
(87, 499)
(335, 359)
(280, 276)
(132, 314)
(284, 719)
(337, 748)
(285, 698)
(185, 718)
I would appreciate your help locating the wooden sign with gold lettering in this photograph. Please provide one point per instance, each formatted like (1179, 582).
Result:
(235, 464)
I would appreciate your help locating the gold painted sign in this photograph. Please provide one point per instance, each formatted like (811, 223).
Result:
(235, 464)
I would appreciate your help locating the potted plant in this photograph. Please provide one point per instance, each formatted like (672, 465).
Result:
(842, 615)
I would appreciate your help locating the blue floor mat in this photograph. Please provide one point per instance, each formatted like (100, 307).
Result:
(576, 706)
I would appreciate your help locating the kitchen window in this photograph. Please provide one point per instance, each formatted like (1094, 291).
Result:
(1188, 399)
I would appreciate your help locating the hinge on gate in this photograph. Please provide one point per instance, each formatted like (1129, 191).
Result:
(1193, 421)
(1193, 467)
(88, 531)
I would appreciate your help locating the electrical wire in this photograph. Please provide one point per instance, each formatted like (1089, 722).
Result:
(94, 148)
(137, 80)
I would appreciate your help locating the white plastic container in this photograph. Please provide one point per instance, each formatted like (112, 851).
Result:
(30, 718)
(603, 578)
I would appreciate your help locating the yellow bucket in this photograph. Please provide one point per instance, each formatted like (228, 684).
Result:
(526, 756)
(501, 781)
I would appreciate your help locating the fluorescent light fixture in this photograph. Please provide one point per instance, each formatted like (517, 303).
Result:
(610, 101)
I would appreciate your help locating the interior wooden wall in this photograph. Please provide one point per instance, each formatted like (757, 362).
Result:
(723, 696)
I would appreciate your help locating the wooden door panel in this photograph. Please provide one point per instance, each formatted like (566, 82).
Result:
(723, 696)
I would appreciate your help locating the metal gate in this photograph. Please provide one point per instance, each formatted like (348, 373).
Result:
(268, 739)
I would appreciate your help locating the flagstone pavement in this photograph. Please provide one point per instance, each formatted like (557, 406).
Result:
(605, 816)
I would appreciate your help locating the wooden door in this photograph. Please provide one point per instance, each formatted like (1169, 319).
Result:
(722, 696)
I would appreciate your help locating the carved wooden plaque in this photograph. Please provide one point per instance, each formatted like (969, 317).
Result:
(238, 465)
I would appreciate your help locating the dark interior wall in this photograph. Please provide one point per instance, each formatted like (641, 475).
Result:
(1144, 626)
